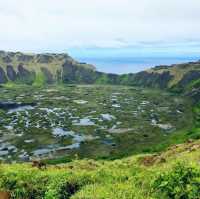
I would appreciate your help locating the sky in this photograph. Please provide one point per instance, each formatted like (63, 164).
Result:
(106, 27)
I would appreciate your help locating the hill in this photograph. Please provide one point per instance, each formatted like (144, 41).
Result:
(49, 68)
(180, 76)
(173, 173)
(177, 78)
(38, 68)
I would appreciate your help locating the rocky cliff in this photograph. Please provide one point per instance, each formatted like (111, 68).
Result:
(30, 68)
(178, 78)
(52, 68)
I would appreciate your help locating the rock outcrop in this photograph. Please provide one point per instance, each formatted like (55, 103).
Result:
(44, 59)
(24, 58)
(188, 78)
(49, 79)
(3, 78)
(151, 79)
(24, 75)
(11, 74)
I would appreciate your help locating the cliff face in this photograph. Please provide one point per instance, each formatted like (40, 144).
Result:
(154, 80)
(47, 68)
(3, 78)
(11, 73)
(188, 78)
(52, 68)
(178, 78)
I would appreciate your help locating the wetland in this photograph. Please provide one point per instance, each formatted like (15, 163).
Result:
(88, 121)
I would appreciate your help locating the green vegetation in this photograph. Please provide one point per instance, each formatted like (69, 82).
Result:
(40, 80)
(180, 182)
(113, 172)
(171, 174)
(97, 141)
(110, 121)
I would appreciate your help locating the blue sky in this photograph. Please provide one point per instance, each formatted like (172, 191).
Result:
(100, 28)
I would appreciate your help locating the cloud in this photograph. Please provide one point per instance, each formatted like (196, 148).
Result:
(39, 25)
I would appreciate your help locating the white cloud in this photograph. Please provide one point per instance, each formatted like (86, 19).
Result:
(59, 24)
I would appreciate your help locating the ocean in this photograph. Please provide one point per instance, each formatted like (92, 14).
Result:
(119, 65)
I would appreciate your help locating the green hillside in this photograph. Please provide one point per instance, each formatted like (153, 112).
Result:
(173, 173)
(179, 77)
(178, 71)
(35, 62)
(36, 68)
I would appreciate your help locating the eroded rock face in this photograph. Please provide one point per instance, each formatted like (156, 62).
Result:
(22, 71)
(24, 75)
(6, 59)
(69, 72)
(58, 76)
(74, 73)
(24, 58)
(3, 78)
(147, 79)
(48, 76)
(42, 58)
(194, 95)
(189, 77)
(83, 75)
(11, 74)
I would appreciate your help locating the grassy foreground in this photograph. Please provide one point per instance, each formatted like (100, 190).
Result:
(174, 173)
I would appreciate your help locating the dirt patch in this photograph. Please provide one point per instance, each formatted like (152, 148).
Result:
(151, 160)
(175, 150)
(4, 195)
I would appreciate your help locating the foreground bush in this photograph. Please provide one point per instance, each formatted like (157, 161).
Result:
(182, 182)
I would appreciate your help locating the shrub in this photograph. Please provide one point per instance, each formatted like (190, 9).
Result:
(24, 185)
(182, 182)
(194, 134)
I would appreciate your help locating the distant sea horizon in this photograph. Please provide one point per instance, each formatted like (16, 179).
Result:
(126, 65)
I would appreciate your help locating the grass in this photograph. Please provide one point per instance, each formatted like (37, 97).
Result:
(133, 177)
